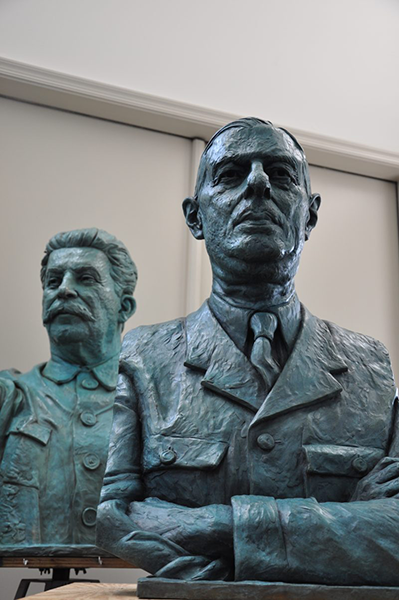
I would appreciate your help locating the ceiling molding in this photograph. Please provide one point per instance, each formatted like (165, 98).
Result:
(54, 89)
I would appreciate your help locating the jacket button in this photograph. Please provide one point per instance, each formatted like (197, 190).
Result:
(266, 442)
(88, 418)
(360, 464)
(91, 461)
(89, 516)
(168, 457)
(89, 384)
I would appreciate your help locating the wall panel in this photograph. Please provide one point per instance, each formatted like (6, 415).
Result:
(61, 171)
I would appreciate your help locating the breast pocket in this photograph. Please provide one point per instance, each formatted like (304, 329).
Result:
(332, 471)
(162, 451)
(184, 470)
(24, 453)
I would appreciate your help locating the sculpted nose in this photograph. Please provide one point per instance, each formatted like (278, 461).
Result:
(258, 183)
(66, 289)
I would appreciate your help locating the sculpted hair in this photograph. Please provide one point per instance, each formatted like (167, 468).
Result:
(123, 270)
(250, 123)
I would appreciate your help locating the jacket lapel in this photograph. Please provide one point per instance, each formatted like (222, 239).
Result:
(226, 369)
(308, 375)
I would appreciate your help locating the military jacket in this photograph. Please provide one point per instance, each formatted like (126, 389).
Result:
(54, 430)
(192, 427)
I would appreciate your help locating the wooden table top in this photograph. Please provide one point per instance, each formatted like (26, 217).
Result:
(90, 591)
(245, 590)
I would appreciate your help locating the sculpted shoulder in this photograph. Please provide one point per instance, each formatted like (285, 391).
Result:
(14, 384)
(150, 341)
(363, 345)
(364, 355)
(10, 373)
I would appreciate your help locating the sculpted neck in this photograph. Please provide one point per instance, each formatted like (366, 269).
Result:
(88, 353)
(257, 287)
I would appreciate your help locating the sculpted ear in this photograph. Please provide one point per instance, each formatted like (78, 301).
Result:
(314, 204)
(128, 307)
(193, 217)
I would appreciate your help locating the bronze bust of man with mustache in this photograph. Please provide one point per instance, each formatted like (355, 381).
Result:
(55, 419)
(252, 440)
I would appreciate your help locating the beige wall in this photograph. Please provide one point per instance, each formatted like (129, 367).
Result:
(61, 171)
(324, 67)
(349, 273)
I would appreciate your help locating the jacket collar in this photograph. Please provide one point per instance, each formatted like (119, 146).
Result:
(61, 372)
(307, 377)
(235, 320)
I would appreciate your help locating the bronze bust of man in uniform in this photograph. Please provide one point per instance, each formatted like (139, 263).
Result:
(252, 440)
(55, 419)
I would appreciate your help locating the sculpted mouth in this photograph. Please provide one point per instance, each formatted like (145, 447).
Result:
(67, 312)
(250, 218)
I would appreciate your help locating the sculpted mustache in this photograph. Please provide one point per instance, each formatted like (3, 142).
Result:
(69, 309)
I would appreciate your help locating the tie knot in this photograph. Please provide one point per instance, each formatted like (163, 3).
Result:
(264, 324)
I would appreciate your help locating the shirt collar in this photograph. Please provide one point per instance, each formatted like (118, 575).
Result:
(61, 372)
(235, 320)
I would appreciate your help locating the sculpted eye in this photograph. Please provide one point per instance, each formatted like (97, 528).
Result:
(87, 278)
(281, 174)
(229, 174)
(53, 282)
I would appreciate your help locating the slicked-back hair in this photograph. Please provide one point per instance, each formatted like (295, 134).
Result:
(123, 270)
(249, 123)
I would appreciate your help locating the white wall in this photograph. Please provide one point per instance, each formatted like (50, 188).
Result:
(325, 67)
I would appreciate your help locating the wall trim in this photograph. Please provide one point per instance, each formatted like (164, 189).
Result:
(54, 89)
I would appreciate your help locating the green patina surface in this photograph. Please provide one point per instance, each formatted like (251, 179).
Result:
(55, 419)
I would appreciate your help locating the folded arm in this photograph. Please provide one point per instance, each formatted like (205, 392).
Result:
(294, 539)
(157, 536)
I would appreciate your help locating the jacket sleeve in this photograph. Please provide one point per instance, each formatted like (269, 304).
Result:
(11, 402)
(302, 540)
(116, 530)
(122, 478)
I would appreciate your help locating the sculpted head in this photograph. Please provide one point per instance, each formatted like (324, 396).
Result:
(88, 281)
(252, 202)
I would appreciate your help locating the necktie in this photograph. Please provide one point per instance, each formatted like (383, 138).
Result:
(263, 325)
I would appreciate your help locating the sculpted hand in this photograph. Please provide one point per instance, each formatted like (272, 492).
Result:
(381, 482)
(207, 530)
(118, 532)
(195, 568)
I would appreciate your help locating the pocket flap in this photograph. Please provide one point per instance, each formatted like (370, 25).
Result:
(37, 431)
(352, 461)
(182, 452)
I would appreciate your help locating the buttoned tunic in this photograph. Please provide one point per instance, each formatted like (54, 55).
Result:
(192, 427)
(54, 431)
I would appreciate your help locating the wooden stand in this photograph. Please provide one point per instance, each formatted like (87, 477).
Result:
(59, 578)
(60, 567)
(91, 591)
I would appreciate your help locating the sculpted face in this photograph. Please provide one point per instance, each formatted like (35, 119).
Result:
(253, 202)
(80, 303)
